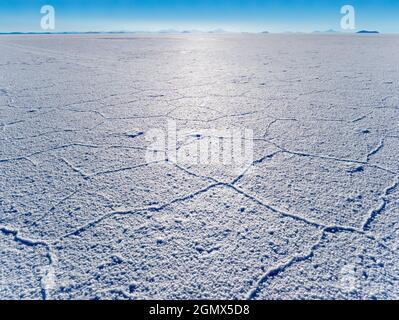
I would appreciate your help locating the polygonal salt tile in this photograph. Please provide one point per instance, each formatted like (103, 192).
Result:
(22, 268)
(324, 190)
(343, 265)
(214, 245)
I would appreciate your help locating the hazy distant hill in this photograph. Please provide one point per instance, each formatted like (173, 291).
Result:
(367, 31)
(327, 31)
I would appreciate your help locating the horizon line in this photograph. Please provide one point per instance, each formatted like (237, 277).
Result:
(216, 31)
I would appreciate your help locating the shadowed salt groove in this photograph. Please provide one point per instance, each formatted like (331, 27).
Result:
(287, 151)
(70, 165)
(382, 207)
(75, 169)
(362, 117)
(296, 217)
(325, 157)
(65, 146)
(254, 163)
(23, 158)
(106, 172)
(215, 118)
(137, 211)
(253, 293)
(272, 208)
(194, 174)
(267, 206)
(51, 256)
(206, 189)
(275, 271)
(93, 223)
(376, 150)
(54, 207)
(274, 122)
(275, 210)
(317, 224)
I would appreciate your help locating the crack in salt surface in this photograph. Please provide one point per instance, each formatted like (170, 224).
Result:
(273, 272)
(51, 256)
(375, 213)
(325, 157)
(376, 150)
(137, 211)
(284, 213)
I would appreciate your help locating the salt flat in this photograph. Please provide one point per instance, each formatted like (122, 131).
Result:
(85, 215)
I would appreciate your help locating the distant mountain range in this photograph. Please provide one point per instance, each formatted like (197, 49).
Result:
(367, 31)
(334, 31)
(174, 31)
(164, 31)
(68, 32)
(327, 31)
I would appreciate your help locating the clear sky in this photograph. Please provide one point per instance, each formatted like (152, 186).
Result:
(231, 15)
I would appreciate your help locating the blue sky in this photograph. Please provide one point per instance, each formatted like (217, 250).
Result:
(232, 15)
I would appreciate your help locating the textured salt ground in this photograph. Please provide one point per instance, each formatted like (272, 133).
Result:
(83, 215)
